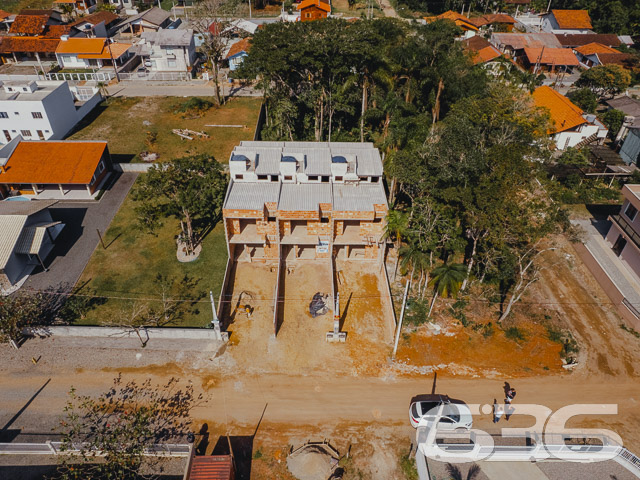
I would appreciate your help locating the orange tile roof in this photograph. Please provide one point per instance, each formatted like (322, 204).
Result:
(56, 31)
(481, 50)
(623, 59)
(43, 162)
(317, 3)
(564, 114)
(572, 19)
(96, 18)
(28, 44)
(594, 47)
(4, 14)
(493, 18)
(81, 45)
(29, 24)
(117, 50)
(551, 56)
(455, 17)
(242, 46)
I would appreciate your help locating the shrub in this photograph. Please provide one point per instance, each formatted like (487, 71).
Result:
(194, 106)
(515, 334)
(585, 99)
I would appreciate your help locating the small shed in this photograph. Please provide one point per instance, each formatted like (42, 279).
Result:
(211, 467)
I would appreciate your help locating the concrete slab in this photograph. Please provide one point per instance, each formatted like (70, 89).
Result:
(520, 470)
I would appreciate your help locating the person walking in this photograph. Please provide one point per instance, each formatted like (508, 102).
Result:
(510, 394)
(497, 411)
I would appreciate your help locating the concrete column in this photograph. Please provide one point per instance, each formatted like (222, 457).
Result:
(61, 190)
(88, 190)
(35, 189)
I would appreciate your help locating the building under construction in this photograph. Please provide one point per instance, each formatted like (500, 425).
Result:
(290, 205)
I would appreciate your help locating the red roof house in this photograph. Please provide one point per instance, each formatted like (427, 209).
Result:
(313, 10)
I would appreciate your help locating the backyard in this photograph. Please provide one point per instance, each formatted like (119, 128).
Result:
(128, 269)
(133, 125)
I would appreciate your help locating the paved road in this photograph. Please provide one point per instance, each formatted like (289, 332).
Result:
(78, 240)
(144, 89)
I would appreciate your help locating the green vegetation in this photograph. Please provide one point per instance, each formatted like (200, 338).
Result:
(408, 467)
(127, 270)
(631, 330)
(613, 119)
(124, 123)
(14, 6)
(514, 333)
(565, 338)
(585, 99)
(195, 106)
(605, 80)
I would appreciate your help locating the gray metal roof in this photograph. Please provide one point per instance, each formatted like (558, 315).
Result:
(12, 207)
(630, 106)
(518, 41)
(10, 229)
(317, 156)
(358, 197)
(251, 196)
(169, 37)
(304, 196)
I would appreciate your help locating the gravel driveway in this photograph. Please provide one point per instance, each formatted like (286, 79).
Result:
(78, 240)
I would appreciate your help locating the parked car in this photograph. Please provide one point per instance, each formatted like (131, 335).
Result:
(455, 413)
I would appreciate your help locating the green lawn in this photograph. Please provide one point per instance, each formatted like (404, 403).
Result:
(127, 124)
(14, 6)
(133, 258)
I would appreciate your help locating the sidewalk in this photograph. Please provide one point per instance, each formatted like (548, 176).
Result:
(626, 283)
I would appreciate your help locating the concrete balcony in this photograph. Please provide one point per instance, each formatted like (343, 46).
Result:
(248, 234)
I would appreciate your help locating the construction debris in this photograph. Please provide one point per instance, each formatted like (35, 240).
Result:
(185, 133)
(319, 305)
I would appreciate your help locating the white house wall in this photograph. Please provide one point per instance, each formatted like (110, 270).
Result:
(571, 138)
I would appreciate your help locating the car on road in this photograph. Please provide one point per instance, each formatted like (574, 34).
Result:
(456, 415)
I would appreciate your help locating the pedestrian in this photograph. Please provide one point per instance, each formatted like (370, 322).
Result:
(510, 395)
(497, 411)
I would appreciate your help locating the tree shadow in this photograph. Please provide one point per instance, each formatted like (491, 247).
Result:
(7, 435)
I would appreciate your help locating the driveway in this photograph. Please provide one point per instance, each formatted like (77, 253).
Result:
(78, 240)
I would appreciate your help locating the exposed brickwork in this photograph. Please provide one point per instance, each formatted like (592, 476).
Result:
(339, 227)
(242, 213)
(299, 215)
(318, 228)
(353, 215)
(264, 227)
(371, 252)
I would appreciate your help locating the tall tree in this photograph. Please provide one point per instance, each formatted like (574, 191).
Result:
(110, 436)
(190, 189)
(605, 80)
(446, 281)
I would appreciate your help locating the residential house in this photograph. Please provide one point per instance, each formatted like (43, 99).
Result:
(573, 40)
(82, 7)
(211, 467)
(34, 22)
(549, 60)
(570, 126)
(19, 49)
(631, 109)
(240, 28)
(313, 10)
(500, 22)
(465, 23)
(515, 43)
(567, 21)
(305, 201)
(237, 53)
(624, 234)
(127, 5)
(91, 53)
(72, 170)
(168, 50)
(150, 20)
(27, 236)
(588, 54)
(480, 49)
(97, 24)
(630, 150)
(5, 20)
(43, 110)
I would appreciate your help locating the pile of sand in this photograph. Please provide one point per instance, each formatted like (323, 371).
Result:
(313, 462)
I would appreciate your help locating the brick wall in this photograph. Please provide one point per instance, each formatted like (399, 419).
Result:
(371, 252)
(264, 227)
(368, 229)
(339, 227)
(318, 228)
(233, 226)
(285, 227)
(242, 213)
(299, 215)
(353, 215)
(271, 250)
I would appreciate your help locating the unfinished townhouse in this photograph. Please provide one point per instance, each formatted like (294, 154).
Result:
(299, 218)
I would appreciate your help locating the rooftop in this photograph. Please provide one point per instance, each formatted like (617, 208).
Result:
(240, 46)
(481, 50)
(96, 18)
(169, 37)
(48, 162)
(44, 88)
(564, 114)
(455, 17)
(551, 56)
(618, 58)
(28, 44)
(594, 47)
(578, 39)
(211, 467)
(628, 105)
(572, 19)
(29, 24)
(492, 18)
(317, 3)
(155, 16)
(93, 48)
(518, 41)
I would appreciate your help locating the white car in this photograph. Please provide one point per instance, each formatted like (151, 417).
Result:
(455, 413)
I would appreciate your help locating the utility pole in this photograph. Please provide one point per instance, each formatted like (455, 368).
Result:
(249, 8)
(215, 322)
(404, 303)
(113, 62)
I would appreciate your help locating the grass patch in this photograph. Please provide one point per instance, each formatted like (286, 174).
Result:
(569, 345)
(14, 6)
(128, 122)
(129, 267)
(408, 467)
(631, 330)
(514, 333)
(257, 454)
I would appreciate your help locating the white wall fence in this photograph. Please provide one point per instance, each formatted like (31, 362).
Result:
(53, 448)
(118, 332)
(156, 76)
(81, 77)
(132, 167)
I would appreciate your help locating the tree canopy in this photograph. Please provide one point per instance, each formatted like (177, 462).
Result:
(605, 80)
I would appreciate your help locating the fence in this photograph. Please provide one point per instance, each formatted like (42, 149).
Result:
(117, 332)
(53, 448)
(132, 167)
(156, 76)
(81, 77)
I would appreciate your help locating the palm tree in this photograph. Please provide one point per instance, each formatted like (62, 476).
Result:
(446, 280)
(454, 472)
(395, 230)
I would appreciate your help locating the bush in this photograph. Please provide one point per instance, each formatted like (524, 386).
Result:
(194, 106)
(416, 311)
(569, 345)
(515, 334)
(408, 467)
(585, 99)
(613, 119)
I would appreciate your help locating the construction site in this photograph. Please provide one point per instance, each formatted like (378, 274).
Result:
(304, 224)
